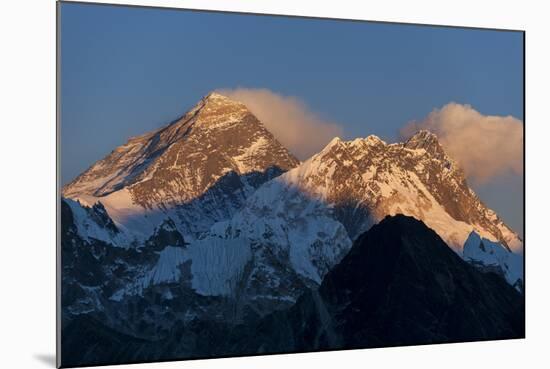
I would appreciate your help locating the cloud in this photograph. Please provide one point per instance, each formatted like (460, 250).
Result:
(296, 127)
(485, 146)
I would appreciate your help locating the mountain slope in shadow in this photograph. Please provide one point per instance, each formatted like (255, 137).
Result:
(400, 284)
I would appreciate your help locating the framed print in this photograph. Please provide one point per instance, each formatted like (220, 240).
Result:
(237, 184)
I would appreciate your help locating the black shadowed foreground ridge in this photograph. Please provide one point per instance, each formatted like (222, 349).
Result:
(400, 284)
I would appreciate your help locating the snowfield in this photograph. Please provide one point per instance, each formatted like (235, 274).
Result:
(251, 232)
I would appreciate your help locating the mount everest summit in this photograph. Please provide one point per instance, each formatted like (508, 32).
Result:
(210, 221)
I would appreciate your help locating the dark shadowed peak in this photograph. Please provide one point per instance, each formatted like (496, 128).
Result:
(400, 284)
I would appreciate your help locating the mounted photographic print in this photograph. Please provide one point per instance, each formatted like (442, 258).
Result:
(240, 184)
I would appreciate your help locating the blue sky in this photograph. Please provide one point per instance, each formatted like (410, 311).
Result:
(125, 71)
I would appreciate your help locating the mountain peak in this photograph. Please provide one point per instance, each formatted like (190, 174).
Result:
(332, 145)
(421, 138)
(335, 141)
(399, 262)
(216, 136)
(358, 143)
(216, 110)
(426, 140)
(217, 98)
(216, 95)
(373, 140)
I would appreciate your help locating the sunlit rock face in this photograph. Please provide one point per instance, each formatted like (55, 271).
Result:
(197, 170)
(209, 223)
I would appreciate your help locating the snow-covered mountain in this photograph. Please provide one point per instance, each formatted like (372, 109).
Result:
(307, 218)
(210, 226)
(196, 170)
(399, 284)
(493, 257)
(152, 198)
(366, 179)
(212, 217)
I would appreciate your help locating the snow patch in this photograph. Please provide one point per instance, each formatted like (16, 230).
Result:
(481, 251)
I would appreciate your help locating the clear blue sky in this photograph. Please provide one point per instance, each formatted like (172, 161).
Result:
(125, 71)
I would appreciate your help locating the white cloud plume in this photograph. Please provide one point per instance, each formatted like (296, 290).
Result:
(296, 127)
(485, 146)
